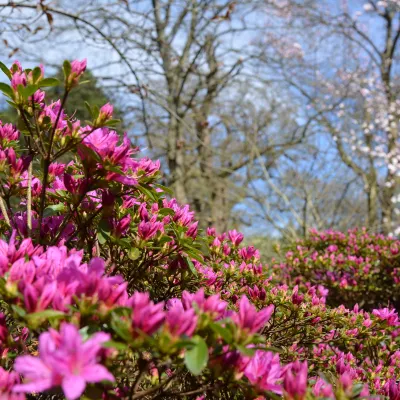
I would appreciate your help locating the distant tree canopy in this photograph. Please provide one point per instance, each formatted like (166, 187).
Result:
(90, 92)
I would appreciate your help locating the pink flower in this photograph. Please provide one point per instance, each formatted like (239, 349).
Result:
(180, 322)
(264, 371)
(123, 225)
(64, 360)
(147, 317)
(394, 390)
(105, 113)
(295, 380)
(322, 389)
(78, 67)
(235, 237)
(147, 230)
(7, 382)
(387, 315)
(249, 319)
(212, 304)
(8, 133)
(19, 78)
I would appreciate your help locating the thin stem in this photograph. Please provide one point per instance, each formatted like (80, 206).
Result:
(29, 199)
(46, 164)
(4, 211)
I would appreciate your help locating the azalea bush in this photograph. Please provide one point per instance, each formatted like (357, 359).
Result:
(357, 267)
(109, 290)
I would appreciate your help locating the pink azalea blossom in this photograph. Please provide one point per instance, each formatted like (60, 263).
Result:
(249, 319)
(64, 360)
(264, 371)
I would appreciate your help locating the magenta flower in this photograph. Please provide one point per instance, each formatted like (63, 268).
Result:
(19, 78)
(212, 304)
(394, 390)
(122, 225)
(235, 237)
(16, 67)
(147, 317)
(264, 371)
(322, 389)
(147, 230)
(295, 381)
(7, 382)
(105, 113)
(180, 322)
(247, 318)
(64, 360)
(78, 67)
(8, 133)
(390, 316)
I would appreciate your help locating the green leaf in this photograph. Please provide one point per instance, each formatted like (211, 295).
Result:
(12, 104)
(113, 122)
(194, 253)
(54, 209)
(18, 310)
(67, 68)
(37, 72)
(87, 105)
(223, 331)
(95, 111)
(5, 70)
(103, 232)
(149, 192)
(246, 350)
(49, 82)
(164, 188)
(45, 314)
(29, 90)
(120, 327)
(134, 253)
(196, 357)
(112, 344)
(166, 211)
(191, 266)
(6, 89)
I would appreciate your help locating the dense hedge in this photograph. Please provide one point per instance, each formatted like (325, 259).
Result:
(357, 267)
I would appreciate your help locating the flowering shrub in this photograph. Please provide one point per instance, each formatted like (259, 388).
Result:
(108, 290)
(357, 267)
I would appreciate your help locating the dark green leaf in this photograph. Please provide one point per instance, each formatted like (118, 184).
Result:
(37, 72)
(87, 105)
(67, 68)
(103, 232)
(166, 211)
(6, 89)
(5, 70)
(29, 90)
(191, 266)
